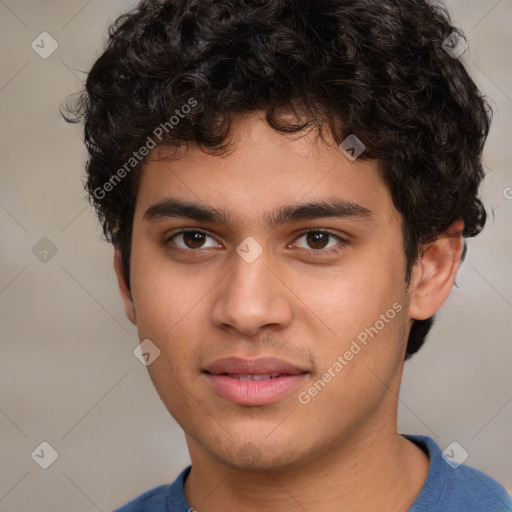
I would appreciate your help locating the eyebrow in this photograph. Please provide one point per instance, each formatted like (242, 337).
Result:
(329, 208)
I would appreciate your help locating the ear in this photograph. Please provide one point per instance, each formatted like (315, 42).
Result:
(123, 287)
(434, 273)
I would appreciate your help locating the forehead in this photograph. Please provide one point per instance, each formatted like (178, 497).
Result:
(262, 171)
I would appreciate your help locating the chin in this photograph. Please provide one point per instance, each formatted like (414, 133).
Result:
(261, 456)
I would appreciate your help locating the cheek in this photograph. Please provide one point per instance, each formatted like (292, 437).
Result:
(365, 310)
(173, 307)
(358, 370)
(166, 295)
(353, 297)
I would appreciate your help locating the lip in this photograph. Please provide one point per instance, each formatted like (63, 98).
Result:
(222, 376)
(259, 366)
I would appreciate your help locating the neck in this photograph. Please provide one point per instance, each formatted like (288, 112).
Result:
(373, 469)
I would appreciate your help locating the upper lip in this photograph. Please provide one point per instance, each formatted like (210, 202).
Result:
(260, 366)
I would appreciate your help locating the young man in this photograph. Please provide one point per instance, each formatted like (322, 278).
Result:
(288, 185)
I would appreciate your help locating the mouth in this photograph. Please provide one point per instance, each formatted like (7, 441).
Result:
(253, 376)
(253, 381)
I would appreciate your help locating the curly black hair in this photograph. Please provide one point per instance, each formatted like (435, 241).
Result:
(374, 68)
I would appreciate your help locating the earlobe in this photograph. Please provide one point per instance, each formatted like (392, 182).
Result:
(434, 273)
(123, 287)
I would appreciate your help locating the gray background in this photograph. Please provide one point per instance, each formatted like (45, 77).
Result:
(68, 375)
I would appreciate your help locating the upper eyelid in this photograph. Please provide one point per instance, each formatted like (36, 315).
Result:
(187, 230)
(318, 230)
(168, 238)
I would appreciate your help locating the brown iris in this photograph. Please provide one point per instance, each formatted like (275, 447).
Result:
(193, 239)
(317, 240)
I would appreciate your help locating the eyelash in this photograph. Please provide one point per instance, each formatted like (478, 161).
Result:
(332, 250)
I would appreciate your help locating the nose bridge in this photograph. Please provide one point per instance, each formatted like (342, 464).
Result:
(250, 282)
(251, 296)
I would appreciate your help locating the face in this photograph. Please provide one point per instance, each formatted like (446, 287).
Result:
(279, 249)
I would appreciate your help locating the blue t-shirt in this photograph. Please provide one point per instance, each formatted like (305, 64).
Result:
(447, 489)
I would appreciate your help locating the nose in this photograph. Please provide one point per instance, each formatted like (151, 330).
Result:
(252, 297)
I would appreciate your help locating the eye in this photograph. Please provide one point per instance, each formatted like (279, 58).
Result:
(192, 239)
(318, 240)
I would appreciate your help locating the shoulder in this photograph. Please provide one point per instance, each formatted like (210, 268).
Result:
(456, 487)
(154, 499)
(477, 491)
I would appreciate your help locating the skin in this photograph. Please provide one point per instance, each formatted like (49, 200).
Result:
(296, 301)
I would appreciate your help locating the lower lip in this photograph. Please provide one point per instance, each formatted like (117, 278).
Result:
(254, 392)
